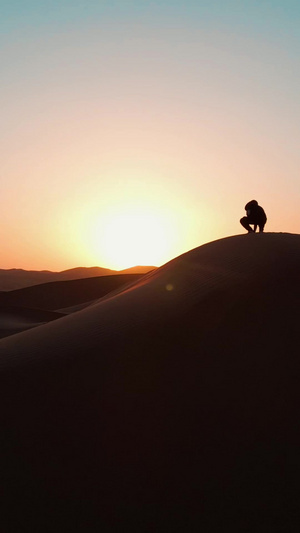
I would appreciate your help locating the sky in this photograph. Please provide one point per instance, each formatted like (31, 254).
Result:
(135, 130)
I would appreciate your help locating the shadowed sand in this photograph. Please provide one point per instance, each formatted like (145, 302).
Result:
(14, 319)
(32, 306)
(169, 405)
(58, 294)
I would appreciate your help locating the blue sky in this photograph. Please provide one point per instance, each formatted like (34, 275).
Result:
(275, 17)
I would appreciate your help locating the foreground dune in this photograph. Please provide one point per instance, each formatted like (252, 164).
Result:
(170, 405)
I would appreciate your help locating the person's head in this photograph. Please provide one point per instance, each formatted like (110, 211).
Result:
(251, 204)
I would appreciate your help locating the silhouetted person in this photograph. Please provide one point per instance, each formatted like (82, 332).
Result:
(255, 216)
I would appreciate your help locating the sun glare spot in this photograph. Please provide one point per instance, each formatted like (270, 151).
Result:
(134, 237)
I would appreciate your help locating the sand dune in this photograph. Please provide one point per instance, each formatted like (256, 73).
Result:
(30, 307)
(59, 294)
(14, 319)
(171, 405)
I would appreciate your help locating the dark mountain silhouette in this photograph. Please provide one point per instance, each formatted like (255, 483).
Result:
(18, 278)
(140, 269)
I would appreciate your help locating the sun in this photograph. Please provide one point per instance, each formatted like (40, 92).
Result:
(134, 236)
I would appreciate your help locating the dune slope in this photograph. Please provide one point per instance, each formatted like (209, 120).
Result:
(57, 294)
(14, 319)
(170, 406)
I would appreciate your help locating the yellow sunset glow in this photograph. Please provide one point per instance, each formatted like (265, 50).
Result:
(133, 237)
(132, 135)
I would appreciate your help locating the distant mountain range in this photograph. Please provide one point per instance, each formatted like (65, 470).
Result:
(18, 278)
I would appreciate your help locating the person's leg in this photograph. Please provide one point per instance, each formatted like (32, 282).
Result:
(245, 223)
(261, 228)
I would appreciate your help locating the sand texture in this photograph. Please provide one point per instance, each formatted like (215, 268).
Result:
(170, 404)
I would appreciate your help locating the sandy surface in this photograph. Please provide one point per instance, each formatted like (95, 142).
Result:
(170, 405)
(14, 319)
(30, 307)
(58, 294)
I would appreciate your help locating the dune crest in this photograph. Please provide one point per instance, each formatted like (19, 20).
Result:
(168, 405)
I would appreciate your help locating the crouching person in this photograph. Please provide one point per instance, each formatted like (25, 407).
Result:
(255, 216)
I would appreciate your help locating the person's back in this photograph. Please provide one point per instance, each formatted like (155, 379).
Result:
(255, 216)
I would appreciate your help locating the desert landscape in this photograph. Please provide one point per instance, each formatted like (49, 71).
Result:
(28, 307)
(149, 272)
(14, 278)
(165, 401)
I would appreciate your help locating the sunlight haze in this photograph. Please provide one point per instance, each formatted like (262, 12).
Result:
(134, 131)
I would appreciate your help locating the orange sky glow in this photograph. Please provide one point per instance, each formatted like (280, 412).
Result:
(129, 136)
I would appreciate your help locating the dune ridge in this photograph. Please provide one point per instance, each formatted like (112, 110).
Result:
(169, 405)
(30, 307)
(56, 294)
